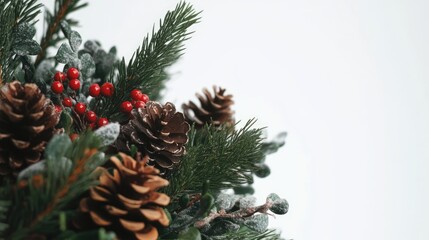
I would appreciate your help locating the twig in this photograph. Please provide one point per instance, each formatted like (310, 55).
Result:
(74, 176)
(62, 11)
(242, 213)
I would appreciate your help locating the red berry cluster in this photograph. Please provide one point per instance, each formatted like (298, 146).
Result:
(139, 100)
(107, 90)
(60, 77)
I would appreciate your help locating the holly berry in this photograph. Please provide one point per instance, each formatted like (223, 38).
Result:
(94, 90)
(107, 89)
(58, 108)
(139, 104)
(74, 84)
(67, 102)
(73, 136)
(102, 121)
(60, 76)
(80, 108)
(126, 107)
(144, 98)
(136, 94)
(92, 126)
(91, 116)
(73, 73)
(57, 87)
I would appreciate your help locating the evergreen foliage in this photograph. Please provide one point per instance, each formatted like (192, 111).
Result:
(146, 68)
(225, 157)
(62, 9)
(44, 200)
(14, 13)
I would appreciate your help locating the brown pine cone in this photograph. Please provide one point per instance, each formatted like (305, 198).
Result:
(157, 131)
(27, 123)
(126, 200)
(214, 110)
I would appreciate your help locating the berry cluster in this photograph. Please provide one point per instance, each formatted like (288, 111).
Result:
(60, 77)
(107, 90)
(139, 100)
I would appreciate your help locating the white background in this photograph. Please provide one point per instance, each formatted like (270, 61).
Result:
(348, 81)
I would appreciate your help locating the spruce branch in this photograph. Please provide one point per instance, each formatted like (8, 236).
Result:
(146, 68)
(62, 9)
(12, 14)
(61, 193)
(224, 157)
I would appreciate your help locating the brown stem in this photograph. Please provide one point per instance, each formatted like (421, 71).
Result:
(74, 176)
(242, 213)
(62, 11)
(195, 198)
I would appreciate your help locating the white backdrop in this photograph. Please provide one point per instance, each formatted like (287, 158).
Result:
(348, 81)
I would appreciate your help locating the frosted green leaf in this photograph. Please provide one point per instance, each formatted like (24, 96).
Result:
(263, 170)
(57, 146)
(273, 197)
(108, 134)
(32, 169)
(257, 223)
(226, 201)
(26, 47)
(75, 40)
(65, 27)
(247, 201)
(87, 67)
(65, 54)
(280, 206)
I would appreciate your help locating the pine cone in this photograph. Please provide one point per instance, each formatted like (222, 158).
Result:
(126, 200)
(27, 123)
(157, 131)
(214, 110)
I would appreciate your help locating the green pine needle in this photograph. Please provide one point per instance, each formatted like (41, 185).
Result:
(224, 157)
(146, 68)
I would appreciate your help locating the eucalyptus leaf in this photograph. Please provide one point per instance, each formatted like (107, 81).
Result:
(65, 27)
(87, 67)
(257, 223)
(65, 54)
(280, 206)
(75, 40)
(26, 47)
(57, 146)
(108, 133)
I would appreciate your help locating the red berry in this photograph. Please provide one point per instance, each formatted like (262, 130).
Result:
(107, 89)
(73, 73)
(80, 108)
(73, 136)
(58, 108)
(126, 107)
(60, 76)
(145, 98)
(67, 102)
(139, 104)
(92, 126)
(74, 84)
(102, 121)
(94, 90)
(91, 116)
(57, 87)
(136, 94)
